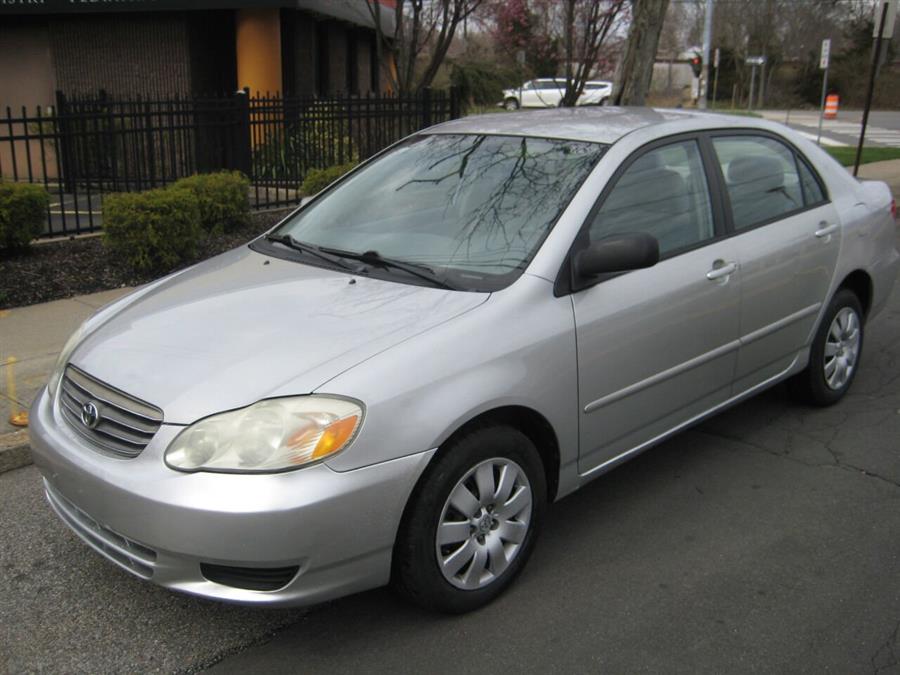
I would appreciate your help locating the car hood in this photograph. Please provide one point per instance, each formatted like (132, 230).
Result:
(244, 326)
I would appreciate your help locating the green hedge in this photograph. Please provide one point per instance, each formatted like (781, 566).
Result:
(23, 212)
(317, 180)
(222, 198)
(153, 231)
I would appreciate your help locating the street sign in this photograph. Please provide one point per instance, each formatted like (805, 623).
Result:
(889, 18)
(826, 52)
(716, 58)
(755, 60)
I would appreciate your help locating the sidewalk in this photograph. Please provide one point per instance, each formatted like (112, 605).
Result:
(34, 335)
(888, 171)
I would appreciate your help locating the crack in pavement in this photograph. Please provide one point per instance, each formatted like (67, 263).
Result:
(891, 659)
(837, 462)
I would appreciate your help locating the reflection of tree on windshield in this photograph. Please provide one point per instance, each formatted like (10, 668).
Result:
(502, 192)
(471, 207)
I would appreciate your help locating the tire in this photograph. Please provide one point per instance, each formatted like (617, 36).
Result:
(511, 104)
(604, 102)
(466, 572)
(835, 353)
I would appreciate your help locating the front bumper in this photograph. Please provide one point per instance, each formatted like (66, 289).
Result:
(338, 528)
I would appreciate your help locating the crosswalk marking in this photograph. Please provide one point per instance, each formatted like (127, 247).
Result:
(877, 134)
(806, 123)
(824, 140)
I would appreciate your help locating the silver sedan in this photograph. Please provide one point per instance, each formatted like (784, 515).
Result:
(394, 383)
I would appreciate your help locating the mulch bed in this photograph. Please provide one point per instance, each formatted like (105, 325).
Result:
(61, 269)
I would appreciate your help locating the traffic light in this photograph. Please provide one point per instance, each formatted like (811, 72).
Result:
(697, 65)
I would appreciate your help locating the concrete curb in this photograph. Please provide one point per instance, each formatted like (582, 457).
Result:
(14, 451)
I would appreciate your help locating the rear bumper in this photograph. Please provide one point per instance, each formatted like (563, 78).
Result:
(337, 528)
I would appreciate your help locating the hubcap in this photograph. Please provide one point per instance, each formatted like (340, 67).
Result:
(841, 348)
(483, 523)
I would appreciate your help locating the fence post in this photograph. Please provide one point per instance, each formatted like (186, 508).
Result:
(242, 157)
(425, 100)
(65, 143)
(454, 103)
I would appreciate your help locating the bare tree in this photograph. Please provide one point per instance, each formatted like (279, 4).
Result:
(587, 25)
(636, 66)
(423, 32)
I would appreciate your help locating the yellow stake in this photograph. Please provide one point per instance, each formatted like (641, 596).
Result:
(18, 418)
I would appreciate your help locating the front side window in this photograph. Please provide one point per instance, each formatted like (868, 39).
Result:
(761, 178)
(663, 193)
(474, 209)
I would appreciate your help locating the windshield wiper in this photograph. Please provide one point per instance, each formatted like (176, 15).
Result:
(376, 259)
(289, 241)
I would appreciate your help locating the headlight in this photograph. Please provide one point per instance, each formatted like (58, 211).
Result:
(274, 435)
(63, 359)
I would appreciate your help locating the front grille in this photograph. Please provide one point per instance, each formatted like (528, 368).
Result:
(125, 424)
(124, 552)
(250, 578)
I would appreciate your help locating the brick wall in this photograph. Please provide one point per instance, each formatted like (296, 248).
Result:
(337, 58)
(299, 59)
(124, 54)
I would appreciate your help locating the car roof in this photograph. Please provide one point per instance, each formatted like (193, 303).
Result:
(593, 124)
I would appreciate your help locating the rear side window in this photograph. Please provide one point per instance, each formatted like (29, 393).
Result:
(663, 193)
(812, 190)
(761, 177)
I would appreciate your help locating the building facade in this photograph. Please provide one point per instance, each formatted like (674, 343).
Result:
(162, 48)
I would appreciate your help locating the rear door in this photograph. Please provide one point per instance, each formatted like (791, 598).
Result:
(529, 95)
(549, 94)
(787, 235)
(658, 346)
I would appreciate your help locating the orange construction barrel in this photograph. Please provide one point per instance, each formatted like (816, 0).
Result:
(831, 106)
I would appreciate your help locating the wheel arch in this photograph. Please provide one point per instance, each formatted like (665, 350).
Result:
(861, 284)
(527, 420)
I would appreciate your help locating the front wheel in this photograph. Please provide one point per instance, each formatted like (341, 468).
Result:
(835, 352)
(511, 104)
(472, 521)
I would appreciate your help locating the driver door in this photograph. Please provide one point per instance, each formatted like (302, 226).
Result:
(658, 346)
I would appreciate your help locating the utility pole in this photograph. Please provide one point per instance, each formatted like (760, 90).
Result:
(716, 80)
(888, 10)
(824, 61)
(707, 41)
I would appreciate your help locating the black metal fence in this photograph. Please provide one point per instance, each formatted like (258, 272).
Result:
(84, 148)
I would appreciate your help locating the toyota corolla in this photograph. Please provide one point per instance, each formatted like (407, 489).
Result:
(394, 383)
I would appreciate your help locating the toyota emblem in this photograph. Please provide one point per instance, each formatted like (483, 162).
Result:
(90, 415)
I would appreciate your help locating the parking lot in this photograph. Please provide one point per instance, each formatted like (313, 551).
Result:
(765, 539)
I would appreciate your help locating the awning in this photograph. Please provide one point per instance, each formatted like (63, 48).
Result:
(352, 11)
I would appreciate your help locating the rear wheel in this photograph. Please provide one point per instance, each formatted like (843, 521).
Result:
(511, 104)
(835, 352)
(472, 521)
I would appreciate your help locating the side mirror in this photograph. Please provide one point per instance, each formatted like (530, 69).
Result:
(618, 253)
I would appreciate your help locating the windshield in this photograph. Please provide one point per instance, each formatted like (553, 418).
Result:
(472, 209)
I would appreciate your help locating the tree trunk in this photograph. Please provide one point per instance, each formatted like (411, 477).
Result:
(636, 67)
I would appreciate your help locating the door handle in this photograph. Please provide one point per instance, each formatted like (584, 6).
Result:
(826, 230)
(721, 271)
